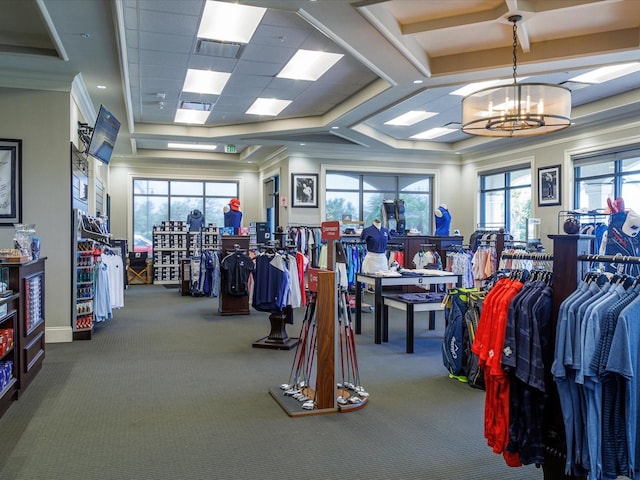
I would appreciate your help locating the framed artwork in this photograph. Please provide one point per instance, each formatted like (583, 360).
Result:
(549, 186)
(10, 181)
(304, 190)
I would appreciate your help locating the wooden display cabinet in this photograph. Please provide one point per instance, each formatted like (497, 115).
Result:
(27, 279)
(9, 360)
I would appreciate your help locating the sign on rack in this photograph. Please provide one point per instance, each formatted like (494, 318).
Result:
(330, 230)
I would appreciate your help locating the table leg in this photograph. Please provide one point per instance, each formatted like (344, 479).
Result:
(410, 328)
(377, 329)
(432, 320)
(358, 322)
(385, 323)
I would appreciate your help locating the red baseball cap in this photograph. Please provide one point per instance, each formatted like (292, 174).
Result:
(234, 203)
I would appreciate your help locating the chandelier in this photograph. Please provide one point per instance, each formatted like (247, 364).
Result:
(516, 109)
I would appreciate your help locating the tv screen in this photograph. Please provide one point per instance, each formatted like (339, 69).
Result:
(104, 135)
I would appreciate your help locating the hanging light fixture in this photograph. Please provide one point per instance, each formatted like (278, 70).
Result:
(517, 109)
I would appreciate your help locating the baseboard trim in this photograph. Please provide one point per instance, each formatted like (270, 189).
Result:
(58, 334)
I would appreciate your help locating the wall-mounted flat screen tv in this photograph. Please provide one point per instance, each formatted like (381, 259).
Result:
(104, 135)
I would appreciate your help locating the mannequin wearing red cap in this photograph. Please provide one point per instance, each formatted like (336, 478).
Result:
(233, 215)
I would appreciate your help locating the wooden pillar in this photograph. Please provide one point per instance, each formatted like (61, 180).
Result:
(326, 319)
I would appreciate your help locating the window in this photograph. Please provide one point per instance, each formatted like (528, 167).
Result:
(505, 201)
(607, 174)
(157, 200)
(361, 196)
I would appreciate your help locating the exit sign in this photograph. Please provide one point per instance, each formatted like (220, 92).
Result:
(229, 149)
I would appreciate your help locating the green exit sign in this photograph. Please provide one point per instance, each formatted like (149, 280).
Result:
(229, 149)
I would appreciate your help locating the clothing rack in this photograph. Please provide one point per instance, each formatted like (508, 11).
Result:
(528, 256)
(609, 258)
(571, 259)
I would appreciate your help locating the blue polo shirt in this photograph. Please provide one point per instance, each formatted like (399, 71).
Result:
(376, 238)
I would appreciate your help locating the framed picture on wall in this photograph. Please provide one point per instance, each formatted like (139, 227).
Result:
(10, 182)
(304, 190)
(549, 186)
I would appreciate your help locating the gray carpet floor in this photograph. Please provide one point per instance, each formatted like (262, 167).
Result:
(169, 389)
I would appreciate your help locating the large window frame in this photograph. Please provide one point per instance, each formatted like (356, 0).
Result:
(160, 199)
(604, 174)
(359, 196)
(499, 191)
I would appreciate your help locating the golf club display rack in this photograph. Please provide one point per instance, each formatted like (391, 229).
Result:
(326, 340)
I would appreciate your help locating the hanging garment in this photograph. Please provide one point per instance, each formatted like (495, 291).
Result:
(236, 269)
(595, 368)
(271, 287)
(209, 275)
(102, 298)
(487, 346)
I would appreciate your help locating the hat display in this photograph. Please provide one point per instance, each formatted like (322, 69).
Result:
(234, 203)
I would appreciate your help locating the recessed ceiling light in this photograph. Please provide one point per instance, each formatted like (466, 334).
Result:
(418, 82)
(101, 87)
(191, 116)
(205, 81)
(229, 22)
(604, 74)
(410, 118)
(268, 106)
(334, 128)
(309, 65)
(191, 146)
(433, 133)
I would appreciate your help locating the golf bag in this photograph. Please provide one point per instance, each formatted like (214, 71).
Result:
(454, 356)
(473, 372)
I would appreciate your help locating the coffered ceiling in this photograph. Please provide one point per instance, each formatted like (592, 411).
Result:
(399, 55)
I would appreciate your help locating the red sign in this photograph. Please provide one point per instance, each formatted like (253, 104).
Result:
(330, 230)
(312, 279)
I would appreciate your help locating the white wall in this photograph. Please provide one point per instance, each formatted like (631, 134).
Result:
(41, 120)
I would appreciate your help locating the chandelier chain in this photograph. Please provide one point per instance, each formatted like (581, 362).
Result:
(515, 49)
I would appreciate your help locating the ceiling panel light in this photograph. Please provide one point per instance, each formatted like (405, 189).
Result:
(433, 133)
(198, 117)
(410, 118)
(268, 106)
(191, 146)
(205, 81)
(604, 74)
(309, 65)
(229, 22)
(477, 86)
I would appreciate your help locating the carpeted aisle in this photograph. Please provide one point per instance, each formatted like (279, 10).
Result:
(169, 389)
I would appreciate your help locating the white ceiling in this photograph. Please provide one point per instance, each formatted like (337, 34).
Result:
(140, 50)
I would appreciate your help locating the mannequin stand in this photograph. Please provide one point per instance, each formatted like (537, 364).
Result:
(277, 338)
